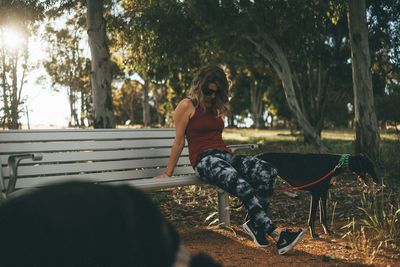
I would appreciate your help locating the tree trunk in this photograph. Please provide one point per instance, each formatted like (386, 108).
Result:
(273, 53)
(82, 109)
(14, 96)
(101, 72)
(366, 125)
(145, 105)
(71, 107)
(312, 90)
(6, 118)
(255, 101)
(73, 121)
(159, 94)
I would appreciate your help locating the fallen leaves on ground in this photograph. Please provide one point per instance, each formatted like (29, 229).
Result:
(187, 208)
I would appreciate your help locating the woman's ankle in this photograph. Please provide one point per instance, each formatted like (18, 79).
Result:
(274, 234)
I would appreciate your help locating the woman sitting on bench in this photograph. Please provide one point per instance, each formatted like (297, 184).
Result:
(199, 117)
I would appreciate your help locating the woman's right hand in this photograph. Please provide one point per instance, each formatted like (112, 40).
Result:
(183, 112)
(162, 175)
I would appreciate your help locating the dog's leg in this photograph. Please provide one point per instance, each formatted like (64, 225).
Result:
(323, 213)
(312, 214)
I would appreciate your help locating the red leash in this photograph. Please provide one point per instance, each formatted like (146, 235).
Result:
(329, 174)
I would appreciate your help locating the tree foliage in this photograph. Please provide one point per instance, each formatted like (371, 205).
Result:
(20, 17)
(290, 57)
(384, 28)
(66, 65)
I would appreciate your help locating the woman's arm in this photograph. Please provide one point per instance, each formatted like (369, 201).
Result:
(183, 112)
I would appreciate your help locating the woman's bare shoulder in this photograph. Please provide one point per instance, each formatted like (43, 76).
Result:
(186, 102)
(187, 106)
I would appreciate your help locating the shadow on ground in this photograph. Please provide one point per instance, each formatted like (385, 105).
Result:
(239, 250)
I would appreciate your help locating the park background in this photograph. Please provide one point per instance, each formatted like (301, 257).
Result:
(307, 76)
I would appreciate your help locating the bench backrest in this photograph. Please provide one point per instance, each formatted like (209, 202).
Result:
(98, 155)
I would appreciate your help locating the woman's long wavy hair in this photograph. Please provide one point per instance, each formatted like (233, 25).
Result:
(205, 76)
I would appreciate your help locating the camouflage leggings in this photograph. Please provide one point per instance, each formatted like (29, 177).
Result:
(248, 178)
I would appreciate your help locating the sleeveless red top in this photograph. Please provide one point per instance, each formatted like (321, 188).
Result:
(203, 132)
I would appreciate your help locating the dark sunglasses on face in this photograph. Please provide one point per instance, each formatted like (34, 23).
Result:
(206, 91)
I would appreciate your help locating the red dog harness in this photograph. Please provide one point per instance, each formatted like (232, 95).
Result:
(342, 164)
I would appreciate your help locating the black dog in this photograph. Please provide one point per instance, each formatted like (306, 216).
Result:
(300, 170)
(82, 224)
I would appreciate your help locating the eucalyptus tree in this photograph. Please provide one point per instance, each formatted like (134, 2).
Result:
(14, 67)
(100, 59)
(307, 60)
(18, 16)
(166, 41)
(173, 36)
(249, 85)
(303, 59)
(384, 41)
(126, 99)
(156, 40)
(66, 64)
(366, 125)
(101, 77)
(300, 57)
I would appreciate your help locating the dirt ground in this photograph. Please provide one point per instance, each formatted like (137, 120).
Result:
(188, 210)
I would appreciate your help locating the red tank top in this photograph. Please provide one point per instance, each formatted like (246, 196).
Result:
(204, 131)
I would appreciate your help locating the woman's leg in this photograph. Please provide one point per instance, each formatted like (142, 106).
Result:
(215, 169)
(261, 175)
(258, 173)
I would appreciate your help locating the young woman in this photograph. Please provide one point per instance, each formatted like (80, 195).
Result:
(199, 118)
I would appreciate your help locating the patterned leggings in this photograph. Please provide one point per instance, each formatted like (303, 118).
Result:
(248, 178)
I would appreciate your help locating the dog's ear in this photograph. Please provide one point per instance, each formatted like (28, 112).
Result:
(367, 166)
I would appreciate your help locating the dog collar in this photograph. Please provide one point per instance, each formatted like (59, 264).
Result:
(344, 162)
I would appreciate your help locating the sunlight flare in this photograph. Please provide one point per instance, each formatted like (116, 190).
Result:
(12, 38)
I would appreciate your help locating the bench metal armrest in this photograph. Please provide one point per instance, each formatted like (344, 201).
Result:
(13, 163)
(234, 148)
(3, 196)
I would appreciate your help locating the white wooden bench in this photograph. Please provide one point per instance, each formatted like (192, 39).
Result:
(37, 158)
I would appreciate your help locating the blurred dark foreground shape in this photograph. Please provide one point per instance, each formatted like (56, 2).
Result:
(84, 224)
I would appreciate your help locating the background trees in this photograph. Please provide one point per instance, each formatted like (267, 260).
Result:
(236, 33)
(17, 24)
(67, 66)
(289, 61)
(384, 40)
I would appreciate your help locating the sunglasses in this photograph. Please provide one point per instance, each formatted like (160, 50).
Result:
(206, 91)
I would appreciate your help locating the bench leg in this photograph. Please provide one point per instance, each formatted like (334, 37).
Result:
(223, 208)
(3, 189)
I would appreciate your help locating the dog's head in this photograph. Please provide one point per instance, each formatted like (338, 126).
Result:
(364, 168)
(83, 224)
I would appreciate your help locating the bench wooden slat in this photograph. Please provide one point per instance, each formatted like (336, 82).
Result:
(8, 148)
(48, 169)
(98, 155)
(84, 134)
(98, 177)
(152, 184)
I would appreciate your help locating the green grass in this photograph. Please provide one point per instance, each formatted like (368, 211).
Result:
(337, 141)
(285, 135)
